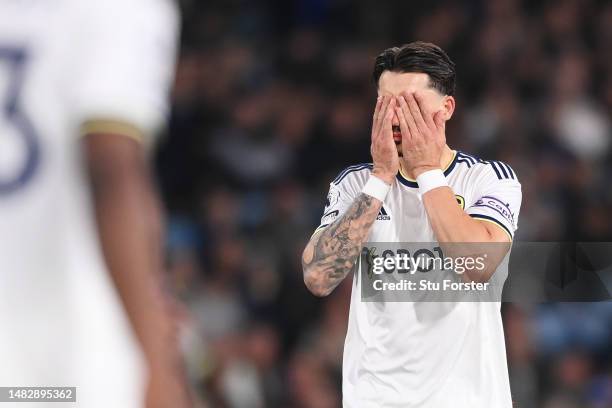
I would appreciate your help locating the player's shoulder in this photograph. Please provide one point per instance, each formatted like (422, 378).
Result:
(484, 169)
(353, 174)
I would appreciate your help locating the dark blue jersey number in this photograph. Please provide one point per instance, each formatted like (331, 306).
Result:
(12, 115)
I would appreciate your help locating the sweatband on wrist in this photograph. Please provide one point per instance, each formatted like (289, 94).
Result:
(431, 179)
(376, 188)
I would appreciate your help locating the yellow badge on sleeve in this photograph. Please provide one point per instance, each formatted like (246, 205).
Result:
(460, 201)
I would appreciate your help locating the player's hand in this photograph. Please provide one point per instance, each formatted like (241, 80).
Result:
(423, 137)
(383, 149)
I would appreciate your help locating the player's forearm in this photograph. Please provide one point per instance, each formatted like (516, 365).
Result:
(129, 234)
(331, 254)
(129, 229)
(462, 236)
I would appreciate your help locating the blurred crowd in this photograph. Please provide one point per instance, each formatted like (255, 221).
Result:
(273, 98)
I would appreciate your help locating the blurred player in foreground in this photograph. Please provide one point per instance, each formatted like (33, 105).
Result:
(83, 89)
(393, 356)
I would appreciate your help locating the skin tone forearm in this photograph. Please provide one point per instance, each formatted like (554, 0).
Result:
(129, 228)
(130, 232)
(331, 254)
(462, 236)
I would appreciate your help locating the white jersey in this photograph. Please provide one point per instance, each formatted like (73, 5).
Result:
(427, 355)
(64, 63)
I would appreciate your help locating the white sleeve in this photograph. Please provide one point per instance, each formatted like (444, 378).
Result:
(497, 197)
(123, 62)
(342, 193)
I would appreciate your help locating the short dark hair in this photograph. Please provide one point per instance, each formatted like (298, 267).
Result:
(418, 56)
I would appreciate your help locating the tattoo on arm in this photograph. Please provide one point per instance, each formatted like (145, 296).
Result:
(331, 254)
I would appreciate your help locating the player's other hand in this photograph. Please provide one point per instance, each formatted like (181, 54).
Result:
(383, 149)
(423, 137)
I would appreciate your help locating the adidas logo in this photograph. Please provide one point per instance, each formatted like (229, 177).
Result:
(382, 215)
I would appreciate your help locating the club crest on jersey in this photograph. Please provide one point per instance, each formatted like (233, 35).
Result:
(382, 215)
(460, 201)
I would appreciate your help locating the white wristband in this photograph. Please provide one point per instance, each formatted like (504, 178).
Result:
(376, 188)
(431, 179)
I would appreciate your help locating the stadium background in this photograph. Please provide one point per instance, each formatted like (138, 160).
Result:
(272, 99)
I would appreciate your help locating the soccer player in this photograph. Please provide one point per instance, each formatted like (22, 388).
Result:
(83, 90)
(393, 357)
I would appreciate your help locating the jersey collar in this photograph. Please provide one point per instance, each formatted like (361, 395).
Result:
(407, 181)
